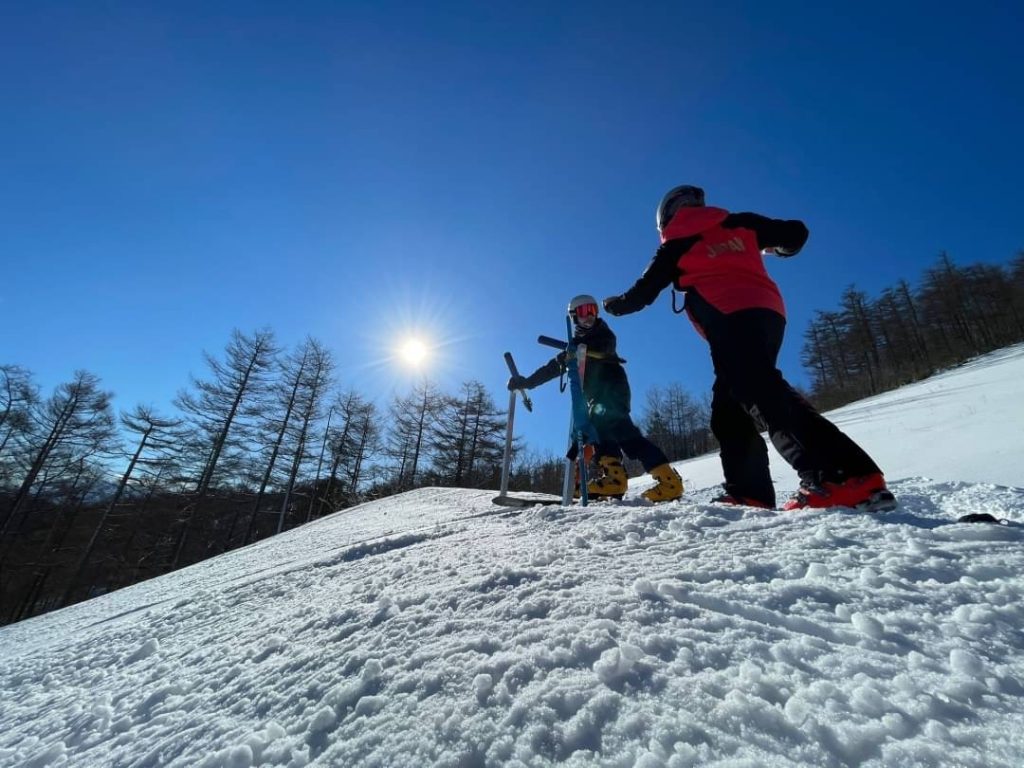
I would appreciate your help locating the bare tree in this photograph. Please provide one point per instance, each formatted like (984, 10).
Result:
(945, 308)
(815, 356)
(18, 396)
(676, 422)
(467, 441)
(218, 413)
(1015, 277)
(73, 425)
(155, 436)
(355, 436)
(993, 306)
(315, 382)
(412, 419)
(366, 443)
(276, 417)
(860, 336)
(532, 471)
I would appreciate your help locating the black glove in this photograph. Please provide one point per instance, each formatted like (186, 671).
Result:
(517, 382)
(615, 305)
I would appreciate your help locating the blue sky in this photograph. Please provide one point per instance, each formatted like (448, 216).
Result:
(359, 171)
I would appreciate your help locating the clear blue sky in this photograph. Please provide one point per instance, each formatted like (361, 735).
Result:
(170, 171)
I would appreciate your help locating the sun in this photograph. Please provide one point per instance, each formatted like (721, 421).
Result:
(409, 338)
(413, 352)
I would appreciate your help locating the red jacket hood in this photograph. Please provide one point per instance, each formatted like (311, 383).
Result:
(692, 220)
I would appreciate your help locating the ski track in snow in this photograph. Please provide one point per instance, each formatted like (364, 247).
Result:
(622, 634)
(435, 628)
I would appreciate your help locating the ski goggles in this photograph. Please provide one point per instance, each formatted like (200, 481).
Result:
(583, 311)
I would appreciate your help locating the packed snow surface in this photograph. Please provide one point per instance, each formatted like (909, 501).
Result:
(438, 629)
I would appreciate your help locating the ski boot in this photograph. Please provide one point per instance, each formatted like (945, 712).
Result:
(669, 487)
(866, 493)
(612, 482)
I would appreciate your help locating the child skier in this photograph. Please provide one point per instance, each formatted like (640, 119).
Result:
(715, 257)
(608, 402)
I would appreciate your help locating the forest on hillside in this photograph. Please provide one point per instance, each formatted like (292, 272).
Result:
(269, 439)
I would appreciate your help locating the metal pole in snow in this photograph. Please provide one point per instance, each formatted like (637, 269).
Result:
(507, 459)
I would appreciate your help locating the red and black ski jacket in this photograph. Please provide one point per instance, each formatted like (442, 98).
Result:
(715, 257)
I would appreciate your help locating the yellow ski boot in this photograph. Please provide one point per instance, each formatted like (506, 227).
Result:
(612, 482)
(669, 487)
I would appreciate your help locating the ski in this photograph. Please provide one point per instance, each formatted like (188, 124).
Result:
(548, 341)
(526, 500)
(581, 430)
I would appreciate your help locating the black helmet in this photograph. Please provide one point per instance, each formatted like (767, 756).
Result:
(678, 197)
(583, 307)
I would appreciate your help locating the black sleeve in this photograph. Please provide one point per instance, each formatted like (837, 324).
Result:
(786, 236)
(550, 370)
(660, 273)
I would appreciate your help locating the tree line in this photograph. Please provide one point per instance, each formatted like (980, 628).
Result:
(265, 441)
(868, 346)
(268, 440)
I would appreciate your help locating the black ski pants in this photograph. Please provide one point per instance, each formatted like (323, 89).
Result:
(635, 447)
(744, 349)
(618, 434)
(629, 440)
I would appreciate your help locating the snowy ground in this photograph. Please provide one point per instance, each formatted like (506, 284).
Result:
(435, 628)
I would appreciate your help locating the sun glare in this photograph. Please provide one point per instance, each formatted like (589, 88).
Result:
(413, 352)
(409, 337)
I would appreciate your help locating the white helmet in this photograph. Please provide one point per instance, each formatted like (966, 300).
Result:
(583, 307)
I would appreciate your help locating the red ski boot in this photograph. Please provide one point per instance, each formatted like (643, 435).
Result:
(866, 493)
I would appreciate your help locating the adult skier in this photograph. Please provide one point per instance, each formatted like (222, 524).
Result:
(715, 257)
(606, 389)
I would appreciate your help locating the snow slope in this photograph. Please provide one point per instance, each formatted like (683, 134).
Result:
(435, 628)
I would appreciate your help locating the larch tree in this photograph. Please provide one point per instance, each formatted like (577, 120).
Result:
(18, 396)
(220, 414)
(73, 425)
(155, 438)
(282, 402)
(310, 401)
(412, 419)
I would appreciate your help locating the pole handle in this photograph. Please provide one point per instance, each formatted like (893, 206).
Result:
(515, 372)
(550, 342)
